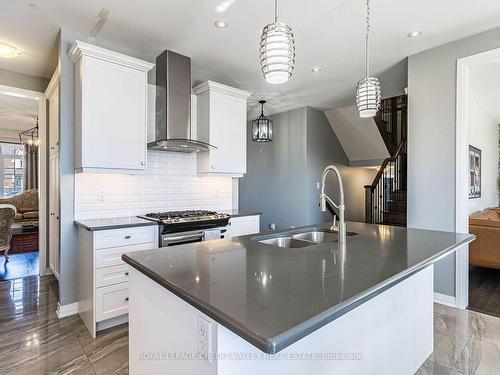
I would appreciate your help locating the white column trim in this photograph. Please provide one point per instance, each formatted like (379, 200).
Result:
(66, 310)
(462, 160)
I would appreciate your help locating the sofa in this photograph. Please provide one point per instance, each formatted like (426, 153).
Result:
(26, 204)
(485, 250)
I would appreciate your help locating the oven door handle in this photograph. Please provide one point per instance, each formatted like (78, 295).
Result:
(184, 237)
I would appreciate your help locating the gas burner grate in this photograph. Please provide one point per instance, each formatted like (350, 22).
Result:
(180, 214)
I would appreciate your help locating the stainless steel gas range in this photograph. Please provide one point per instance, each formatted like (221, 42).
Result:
(180, 227)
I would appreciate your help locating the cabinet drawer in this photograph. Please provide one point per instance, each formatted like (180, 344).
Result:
(113, 256)
(111, 301)
(111, 275)
(125, 236)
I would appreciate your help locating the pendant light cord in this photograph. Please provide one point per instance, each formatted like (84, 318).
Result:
(275, 11)
(367, 41)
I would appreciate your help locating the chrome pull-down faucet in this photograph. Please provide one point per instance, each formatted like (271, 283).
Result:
(340, 206)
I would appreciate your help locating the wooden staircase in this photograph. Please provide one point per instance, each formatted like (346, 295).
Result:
(386, 196)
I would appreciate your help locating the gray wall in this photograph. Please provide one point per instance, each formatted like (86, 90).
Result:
(282, 175)
(23, 81)
(431, 140)
(69, 256)
(273, 168)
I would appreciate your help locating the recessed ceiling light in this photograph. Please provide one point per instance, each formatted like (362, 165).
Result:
(316, 69)
(7, 51)
(33, 6)
(414, 34)
(221, 24)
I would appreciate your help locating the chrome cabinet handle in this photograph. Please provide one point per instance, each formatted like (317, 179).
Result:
(142, 163)
(127, 237)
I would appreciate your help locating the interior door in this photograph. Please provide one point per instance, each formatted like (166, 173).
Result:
(54, 252)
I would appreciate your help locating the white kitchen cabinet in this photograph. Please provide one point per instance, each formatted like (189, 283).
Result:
(243, 225)
(53, 101)
(103, 275)
(53, 174)
(222, 121)
(54, 215)
(110, 110)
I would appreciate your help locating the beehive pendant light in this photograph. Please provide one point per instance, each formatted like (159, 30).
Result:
(368, 94)
(277, 50)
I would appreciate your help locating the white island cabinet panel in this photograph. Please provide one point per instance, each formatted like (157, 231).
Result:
(110, 110)
(221, 121)
(363, 341)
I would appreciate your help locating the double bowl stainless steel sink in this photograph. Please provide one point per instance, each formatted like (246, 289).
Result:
(301, 238)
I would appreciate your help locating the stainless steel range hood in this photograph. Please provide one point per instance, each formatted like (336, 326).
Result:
(173, 105)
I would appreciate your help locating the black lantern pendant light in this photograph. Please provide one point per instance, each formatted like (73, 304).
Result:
(262, 127)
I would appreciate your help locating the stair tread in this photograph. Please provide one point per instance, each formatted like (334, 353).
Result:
(394, 212)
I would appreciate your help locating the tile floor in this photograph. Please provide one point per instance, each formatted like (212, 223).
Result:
(34, 341)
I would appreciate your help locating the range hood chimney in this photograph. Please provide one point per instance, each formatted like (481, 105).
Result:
(173, 105)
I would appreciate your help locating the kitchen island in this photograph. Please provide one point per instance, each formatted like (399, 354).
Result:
(247, 306)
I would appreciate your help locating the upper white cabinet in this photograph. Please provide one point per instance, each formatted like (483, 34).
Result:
(221, 121)
(110, 110)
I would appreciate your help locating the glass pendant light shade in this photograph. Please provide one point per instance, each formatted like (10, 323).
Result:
(368, 97)
(262, 127)
(277, 50)
(368, 93)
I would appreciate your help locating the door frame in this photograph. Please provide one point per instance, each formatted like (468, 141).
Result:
(42, 170)
(464, 65)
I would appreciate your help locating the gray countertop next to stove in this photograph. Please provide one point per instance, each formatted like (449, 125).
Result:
(134, 221)
(273, 297)
(113, 223)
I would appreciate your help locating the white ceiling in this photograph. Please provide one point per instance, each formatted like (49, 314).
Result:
(16, 113)
(328, 33)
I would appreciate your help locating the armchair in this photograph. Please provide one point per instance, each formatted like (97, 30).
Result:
(7, 216)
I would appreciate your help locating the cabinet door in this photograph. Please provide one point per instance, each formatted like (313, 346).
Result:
(54, 122)
(113, 116)
(228, 134)
(54, 254)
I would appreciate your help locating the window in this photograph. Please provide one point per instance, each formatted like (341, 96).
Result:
(11, 169)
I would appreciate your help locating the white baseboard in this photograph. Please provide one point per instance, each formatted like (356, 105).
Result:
(445, 299)
(67, 310)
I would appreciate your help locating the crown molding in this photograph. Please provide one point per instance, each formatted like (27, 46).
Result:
(219, 87)
(79, 49)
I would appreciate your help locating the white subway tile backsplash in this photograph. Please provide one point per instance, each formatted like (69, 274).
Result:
(170, 183)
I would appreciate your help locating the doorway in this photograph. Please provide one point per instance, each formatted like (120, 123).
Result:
(22, 182)
(477, 193)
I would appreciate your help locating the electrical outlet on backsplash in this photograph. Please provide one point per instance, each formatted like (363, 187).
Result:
(170, 183)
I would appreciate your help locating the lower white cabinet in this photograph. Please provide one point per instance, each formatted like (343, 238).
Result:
(111, 301)
(103, 276)
(243, 225)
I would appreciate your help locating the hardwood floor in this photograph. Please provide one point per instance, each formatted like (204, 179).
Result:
(19, 265)
(484, 290)
(34, 341)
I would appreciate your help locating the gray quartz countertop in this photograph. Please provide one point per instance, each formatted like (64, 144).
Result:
(272, 296)
(113, 223)
(134, 221)
(240, 212)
